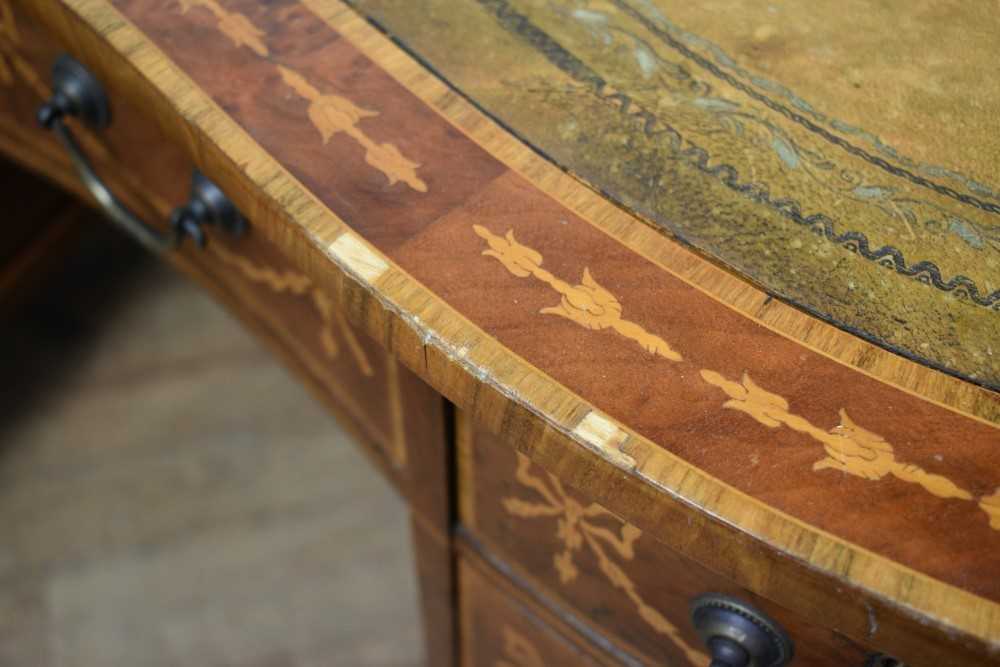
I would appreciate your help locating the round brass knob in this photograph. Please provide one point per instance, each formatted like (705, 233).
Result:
(738, 635)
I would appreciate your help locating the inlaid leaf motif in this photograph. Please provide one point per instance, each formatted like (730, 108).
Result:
(587, 304)
(386, 158)
(848, 446)
(237, 27)
(330, 114)
(765, 407)
(298, 83)
(519, 259)
(243, 33)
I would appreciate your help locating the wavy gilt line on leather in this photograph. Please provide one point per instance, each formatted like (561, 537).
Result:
(518, 651)
(329, 113)
(702, 113)
(588, 304)
(299, 284)
(577, 527)
(849, 447)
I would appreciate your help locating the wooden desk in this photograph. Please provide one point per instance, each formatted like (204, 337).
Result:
(632, 301)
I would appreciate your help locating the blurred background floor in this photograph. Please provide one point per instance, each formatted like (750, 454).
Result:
(169, 495)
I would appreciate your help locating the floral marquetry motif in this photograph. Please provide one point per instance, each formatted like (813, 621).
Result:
(582, 529)
(331, 114)
(233, 25)
(587, 303)
(489, 214)
(849, 447)
(328, 332)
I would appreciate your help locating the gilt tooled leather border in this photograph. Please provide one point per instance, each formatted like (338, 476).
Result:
(727, 62)
(654, 127)
(796, 117)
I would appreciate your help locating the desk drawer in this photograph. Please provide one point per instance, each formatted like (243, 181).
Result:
(502, 628)
(142, 168)
(388, 408)
(627, 587)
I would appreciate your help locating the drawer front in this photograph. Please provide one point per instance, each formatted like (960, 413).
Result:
(503, 629)
(395, 415)
(386, 406)
(631, 589)
(145, 171)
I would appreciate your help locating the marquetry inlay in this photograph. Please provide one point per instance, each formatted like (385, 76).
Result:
(579, 526)
(298, 284)
(233, 25)
(849, 447)
(328, 112)
(587, 303)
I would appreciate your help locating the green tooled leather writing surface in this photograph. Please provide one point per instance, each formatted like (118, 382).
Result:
(841, 155)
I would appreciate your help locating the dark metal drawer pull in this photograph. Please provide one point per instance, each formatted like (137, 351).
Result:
(75, 92)
(738, 635)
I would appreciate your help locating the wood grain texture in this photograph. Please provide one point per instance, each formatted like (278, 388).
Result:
(436, 569)
(629, 587)
(645, 482)
(503, 629)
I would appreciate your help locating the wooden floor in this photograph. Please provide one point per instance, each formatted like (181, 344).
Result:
(170, 496)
